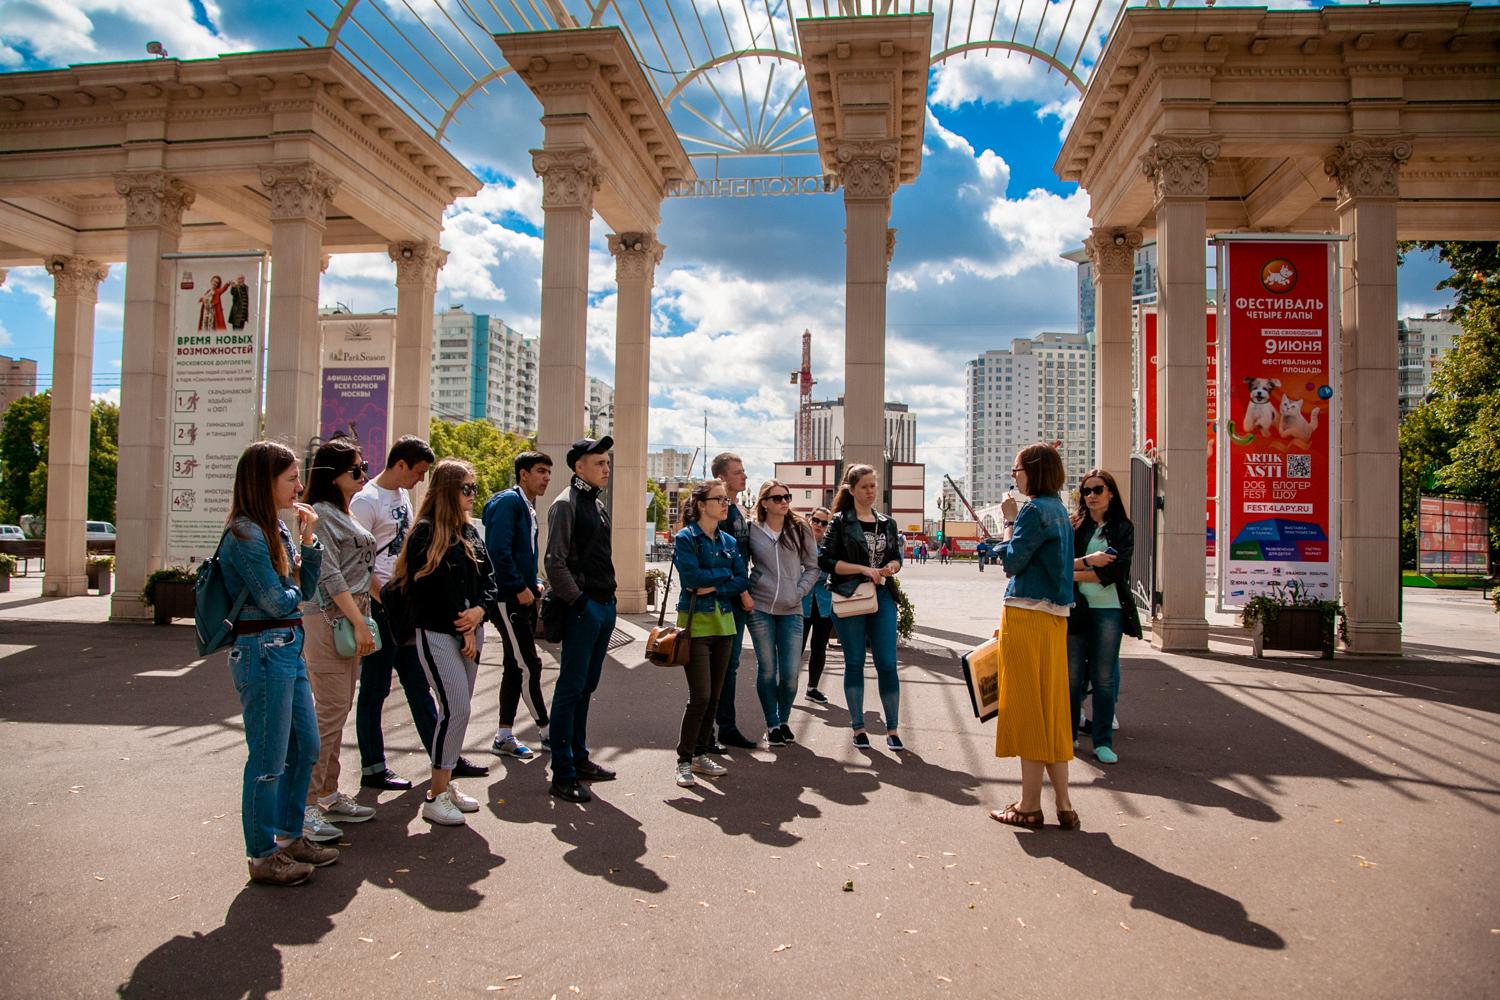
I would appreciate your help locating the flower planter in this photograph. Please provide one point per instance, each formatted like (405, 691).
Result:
(173, 599)
(1295, 629)
(100, 578)
(4, 583)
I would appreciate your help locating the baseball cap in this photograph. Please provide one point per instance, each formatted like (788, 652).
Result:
(589, 446)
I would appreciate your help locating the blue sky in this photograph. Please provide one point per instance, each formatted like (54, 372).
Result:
(976, 262)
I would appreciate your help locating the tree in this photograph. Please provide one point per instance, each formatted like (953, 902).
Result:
(490, 450)
(104, 459)
(658, 502)
(1476, 269)
(23, 458)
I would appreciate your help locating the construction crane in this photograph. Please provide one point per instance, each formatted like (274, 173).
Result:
(802, 449)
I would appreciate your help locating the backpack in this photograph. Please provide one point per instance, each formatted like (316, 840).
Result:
(214, 611)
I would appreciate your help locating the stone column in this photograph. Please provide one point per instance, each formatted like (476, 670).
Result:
(154, 203)
(417, 265)
(1365, 171)
(1178, 169)
(636, 256)
(1112, 252)
(75, 282)
(300, 193)
(867, 171)
(569, 179)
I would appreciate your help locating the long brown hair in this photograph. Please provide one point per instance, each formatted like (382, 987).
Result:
(332, 460)
(440, 509)
(255, 494)
(844, 499)
(698, 497)
(796, 533)
(1116, 509)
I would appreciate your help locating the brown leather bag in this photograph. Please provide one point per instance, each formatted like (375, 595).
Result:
(669, 645)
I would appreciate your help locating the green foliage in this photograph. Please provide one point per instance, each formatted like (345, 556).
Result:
(490, 450)
(167, 574)
(104, 460)
(658, 509)
(906, 614)
(7, 564)
(108, 562)
(1476, 269)
(1263, 607)
(23, 458)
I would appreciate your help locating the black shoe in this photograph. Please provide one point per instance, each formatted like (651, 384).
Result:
(787, 735)
(589, 771)
(717, 747)
(813, 694)
(735, 738)
(569, 790)
(466, 768)
(386, 780)
(862, 741)
(774, 738)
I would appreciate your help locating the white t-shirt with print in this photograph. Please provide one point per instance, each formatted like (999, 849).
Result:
(386, 514)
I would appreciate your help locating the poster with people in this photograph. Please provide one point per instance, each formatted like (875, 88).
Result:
(213, 402)
(1279, 421)
(356, 391)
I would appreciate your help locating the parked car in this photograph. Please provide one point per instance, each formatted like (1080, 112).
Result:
(98, 531)
(11, 532)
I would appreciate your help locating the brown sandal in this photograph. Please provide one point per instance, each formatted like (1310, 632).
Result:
(1067, 819)
(1012, 815)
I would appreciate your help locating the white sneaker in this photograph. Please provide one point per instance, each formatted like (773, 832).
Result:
(442, 810)
(685, 775)
(704, 764)
(316, 828)
(465, 803)
(1116, 723)
(346, 810)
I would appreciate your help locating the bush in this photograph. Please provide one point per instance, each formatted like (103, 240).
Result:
(7, 564)
(167, 574)
(906, 614)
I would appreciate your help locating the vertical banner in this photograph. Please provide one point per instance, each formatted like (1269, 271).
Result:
(1145, 362)
(1280, 414)
(1212, 512)
(357, 356)
(213, 402)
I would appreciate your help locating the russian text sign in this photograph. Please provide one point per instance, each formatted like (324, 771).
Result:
(357, 355)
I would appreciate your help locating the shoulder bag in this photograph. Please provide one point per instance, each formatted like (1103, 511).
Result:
(344, 641)
(862, 602)
(669, 645)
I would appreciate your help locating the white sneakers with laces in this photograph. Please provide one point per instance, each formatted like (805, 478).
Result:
(344, 809)
(443, 810)
(465, 803)
(315, 826)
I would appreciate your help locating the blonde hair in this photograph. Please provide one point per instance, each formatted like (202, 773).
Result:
(440, 508)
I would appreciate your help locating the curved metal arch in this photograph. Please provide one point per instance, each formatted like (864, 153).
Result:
(468, 92)
(1027, 50)
(723, 60)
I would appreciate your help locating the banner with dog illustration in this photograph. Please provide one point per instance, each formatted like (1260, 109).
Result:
(1279, 415)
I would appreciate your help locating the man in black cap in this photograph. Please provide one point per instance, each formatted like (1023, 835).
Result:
(581, 570)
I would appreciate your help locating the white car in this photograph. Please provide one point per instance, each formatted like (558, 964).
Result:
(98, 531)
(11, 533)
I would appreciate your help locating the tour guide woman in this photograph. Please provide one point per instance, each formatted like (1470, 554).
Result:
(281, 729)
(1036, 549)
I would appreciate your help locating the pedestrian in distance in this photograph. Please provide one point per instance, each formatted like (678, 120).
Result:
(714, 583)
(785, 567)
(281, 726)
(343, 594)
(581, 571)
(510, 535)
(863, 544)
(444, 576)
(729, 470)
(817, 612)
(1103, 609)
(1036, 548)
(982, 552)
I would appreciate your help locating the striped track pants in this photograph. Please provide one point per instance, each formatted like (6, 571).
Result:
(452, 679)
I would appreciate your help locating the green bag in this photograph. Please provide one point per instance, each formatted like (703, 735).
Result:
(344, 641)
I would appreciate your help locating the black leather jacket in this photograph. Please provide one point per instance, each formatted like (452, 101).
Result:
(1120, 534)
(845, 542)
(458, 584)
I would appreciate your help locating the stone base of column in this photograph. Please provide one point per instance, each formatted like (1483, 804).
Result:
(1374, 639)
(128, 608)
(1187, 636)
(630, 602)
(65, 585)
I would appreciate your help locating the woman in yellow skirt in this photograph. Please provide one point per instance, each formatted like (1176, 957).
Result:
(1036, 549)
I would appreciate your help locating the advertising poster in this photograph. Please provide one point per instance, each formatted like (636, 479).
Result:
(1146, 363)
(1453, 536)
(357, 356)
(1280, 409)
(213, 402)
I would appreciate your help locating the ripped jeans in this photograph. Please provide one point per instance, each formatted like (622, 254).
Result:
(281, 731)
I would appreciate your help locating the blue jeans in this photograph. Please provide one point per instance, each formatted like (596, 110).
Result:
(724, 713)
(375, 687)
(1094, 657)
(778, 652)
(281, 731)
(877, 631)
(581, 661)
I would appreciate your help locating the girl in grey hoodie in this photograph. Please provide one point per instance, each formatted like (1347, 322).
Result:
(785, 568)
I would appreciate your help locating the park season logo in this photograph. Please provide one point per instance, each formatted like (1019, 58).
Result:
(357, 332)
(1278, 276)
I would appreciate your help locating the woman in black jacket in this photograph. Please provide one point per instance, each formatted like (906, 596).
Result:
(1103, 608)
(444, 572)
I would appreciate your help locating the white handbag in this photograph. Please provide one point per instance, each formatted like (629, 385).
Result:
(862, 602)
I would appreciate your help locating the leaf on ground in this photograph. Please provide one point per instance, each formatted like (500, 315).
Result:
(949, 854)
(1124, 925)
(493, 989)
(98, 878)
(394, 957)
(780, 947)
(403, 871)
(907, 930)
(672, 856)
(178, 896)
(954, 865)
(973, 883)
(775, 857)
(849, 886)
(1020, 921)
(512, 979)
(923, 856)
(1364, 862)
(572, 989)
(368, 940)
(818, 863)
(750, 891)
(944, 979)
(702, 903)
(1338, 821)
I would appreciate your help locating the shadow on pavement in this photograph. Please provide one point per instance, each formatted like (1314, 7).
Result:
(1095, 856)
(607, 842)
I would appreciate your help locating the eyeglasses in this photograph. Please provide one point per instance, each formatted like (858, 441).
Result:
(779, 497)
(469, 489)
(1017, 469)
(819, 522)
(1092, 491)
(722, 500)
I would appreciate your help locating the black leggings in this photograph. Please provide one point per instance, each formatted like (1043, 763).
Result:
(819, 627)
(708, 660)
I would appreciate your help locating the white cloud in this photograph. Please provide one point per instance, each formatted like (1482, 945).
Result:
(5, 338)
(101, 30)
(107, 396)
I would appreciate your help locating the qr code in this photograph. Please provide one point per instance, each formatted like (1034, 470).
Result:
(1299, 466)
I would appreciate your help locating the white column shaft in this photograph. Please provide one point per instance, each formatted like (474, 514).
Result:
(864, 332)
(293, 348)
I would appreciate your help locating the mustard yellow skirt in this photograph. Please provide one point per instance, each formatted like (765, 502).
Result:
(1034, 718)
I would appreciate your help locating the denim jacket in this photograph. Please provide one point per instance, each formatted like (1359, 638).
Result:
(819, 596)
(1039, 556)
(247, 563)
(709, 562)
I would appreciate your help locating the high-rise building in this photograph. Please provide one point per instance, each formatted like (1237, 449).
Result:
(669, 463)
(483, 369)
(599, 414)
(1041, 389)
(17, 380)
(1423, 341)
(828, 431)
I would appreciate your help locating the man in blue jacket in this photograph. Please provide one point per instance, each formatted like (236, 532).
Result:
(510, 535)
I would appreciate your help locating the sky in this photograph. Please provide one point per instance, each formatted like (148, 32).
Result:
(977, 254)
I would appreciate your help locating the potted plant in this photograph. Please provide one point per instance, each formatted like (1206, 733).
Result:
(100, 570)
(656, 580)
(169, 593)
(7, 567)
(1292, 619)
(906, 614)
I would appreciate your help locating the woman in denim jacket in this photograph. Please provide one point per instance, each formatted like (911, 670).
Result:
(281, 727)
(714, 582)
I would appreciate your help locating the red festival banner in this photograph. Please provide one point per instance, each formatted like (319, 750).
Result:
(1280, 413)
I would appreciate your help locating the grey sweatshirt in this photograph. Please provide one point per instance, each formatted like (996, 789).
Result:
(348, 554)
(780, 578)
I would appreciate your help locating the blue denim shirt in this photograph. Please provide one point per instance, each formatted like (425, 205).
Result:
(709, 562)
(1039, 556)
(820, 595)
(247, 562)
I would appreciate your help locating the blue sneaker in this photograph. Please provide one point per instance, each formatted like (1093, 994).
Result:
(511, 747)
(1105, 755)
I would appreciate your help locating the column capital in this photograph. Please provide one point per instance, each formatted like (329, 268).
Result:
(1367, 167)
(1178, 168)
(1112, 251)
(298, 191)
(569, 177)
(867, 169)
(636, 255)
(76, 276)
(417, 262)
(154, 198)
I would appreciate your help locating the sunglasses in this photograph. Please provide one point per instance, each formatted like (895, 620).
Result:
(819, 522)
(469, 489)
(1092, 491)
(360, 471)
(779, 497)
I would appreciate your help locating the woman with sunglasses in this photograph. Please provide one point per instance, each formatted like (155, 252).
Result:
(1103, 609)
(785, 569)
(343, 592)
(817, 612)
(444, 573)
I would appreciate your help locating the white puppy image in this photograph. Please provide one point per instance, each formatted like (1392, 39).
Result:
(1260, 415)
(1293, 424)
